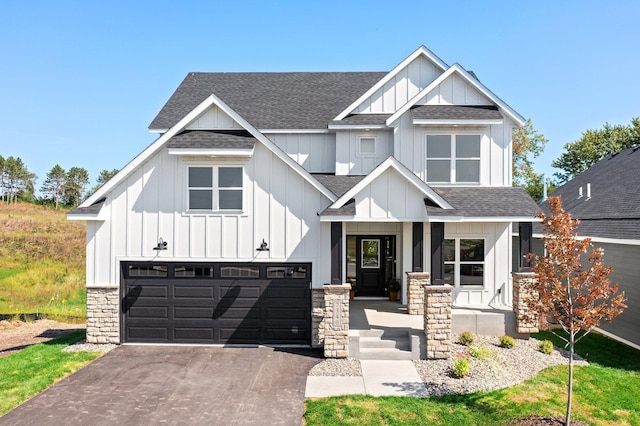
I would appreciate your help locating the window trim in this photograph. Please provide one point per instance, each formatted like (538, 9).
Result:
(453, 158)
(457, 263)
(215, 188)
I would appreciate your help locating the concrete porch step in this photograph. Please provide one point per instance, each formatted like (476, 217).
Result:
(400, 342)
(389, 333)
(385, 354)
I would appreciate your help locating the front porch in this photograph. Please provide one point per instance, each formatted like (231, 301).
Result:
(381, 329)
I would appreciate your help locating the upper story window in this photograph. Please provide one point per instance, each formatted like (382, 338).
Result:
(215, 188)
(367, 146)
(453, 158)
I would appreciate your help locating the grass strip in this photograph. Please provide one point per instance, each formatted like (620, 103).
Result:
(32, 370)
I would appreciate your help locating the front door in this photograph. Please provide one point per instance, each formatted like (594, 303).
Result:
(374, 260)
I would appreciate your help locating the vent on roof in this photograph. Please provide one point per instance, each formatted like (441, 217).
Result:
(588, 192)
(580, 192)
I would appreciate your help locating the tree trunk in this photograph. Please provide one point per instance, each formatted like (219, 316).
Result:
(567, 420)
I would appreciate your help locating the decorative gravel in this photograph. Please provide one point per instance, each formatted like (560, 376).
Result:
(83, 346)
(501, 369)
(337, 367)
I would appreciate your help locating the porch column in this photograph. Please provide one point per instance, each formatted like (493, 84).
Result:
(418, 246)
(525, 233)
(437, 320)
(336, 321)
(336, 253)
(437, 253)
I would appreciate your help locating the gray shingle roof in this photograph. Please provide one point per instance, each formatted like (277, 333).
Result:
(338, 184)
(206, 139)
(485, 202)
(613, 211)
(291, 100)
(93, 209)
(459, 112)
(363, 119)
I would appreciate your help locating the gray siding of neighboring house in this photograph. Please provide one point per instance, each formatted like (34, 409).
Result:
(625, 261)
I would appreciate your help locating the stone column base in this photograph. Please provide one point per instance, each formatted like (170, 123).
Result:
(336, 321)
(103, 315)
(437, 320)
(522, 292)
(415, 292)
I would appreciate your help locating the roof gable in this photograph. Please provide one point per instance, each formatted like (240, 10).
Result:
(420, 53)
(391, 163)
(163, 140)
(457, 70)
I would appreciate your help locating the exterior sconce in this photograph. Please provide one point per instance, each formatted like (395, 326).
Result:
(263, 246)
(162, 245)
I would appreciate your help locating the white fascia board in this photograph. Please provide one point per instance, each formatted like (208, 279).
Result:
(86, 217)
(212, 152)
(149, 151)
(421, 51)
(392, 162)
(286, 131)
(349, 218)
(626, 242)
(424, 92)
(274, 148)
(489, 94)
(356, 126)
(492, 219)
(455, 122)
(157, 130)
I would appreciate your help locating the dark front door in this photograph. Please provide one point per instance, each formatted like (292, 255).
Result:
(374, 263)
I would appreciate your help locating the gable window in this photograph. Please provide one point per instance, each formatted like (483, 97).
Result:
(215, 188)
(464, 262)
(367, 146)
(453, 158)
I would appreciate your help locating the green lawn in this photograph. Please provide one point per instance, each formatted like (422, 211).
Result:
(32, 370)
(605, 393)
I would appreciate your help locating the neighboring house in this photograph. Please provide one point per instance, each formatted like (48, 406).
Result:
(606, 200)
(263, 187)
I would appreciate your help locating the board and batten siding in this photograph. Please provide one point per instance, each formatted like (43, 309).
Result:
(316, 152)
(348, 159)
(279, 206)
(214, 118)
(401, 88)
(454, 90)
(495, 153)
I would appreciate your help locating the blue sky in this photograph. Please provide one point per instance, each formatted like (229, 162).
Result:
(81, 80)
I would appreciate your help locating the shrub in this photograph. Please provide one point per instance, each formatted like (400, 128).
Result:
(507, 342)
(466, 338)
(480, 352)
(461, 366)
(546, 347)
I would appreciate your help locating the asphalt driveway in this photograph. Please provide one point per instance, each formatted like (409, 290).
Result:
(138, 385)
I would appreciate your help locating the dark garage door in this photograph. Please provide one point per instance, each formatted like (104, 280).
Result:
(216, 303)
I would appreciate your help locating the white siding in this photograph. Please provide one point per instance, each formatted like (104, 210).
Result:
(455, 91)
(404, 86)
(348, 160)
(315, 152)
(390, 197)
(214, 118)
(279, 206)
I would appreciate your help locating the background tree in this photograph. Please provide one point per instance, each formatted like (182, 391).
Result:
(55, 183)
(528, 144)
(75, 186)
(593, 146)
(103, 177)
(17, 181)
(572, 284)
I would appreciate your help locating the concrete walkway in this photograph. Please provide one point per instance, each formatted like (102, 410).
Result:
(379, 378)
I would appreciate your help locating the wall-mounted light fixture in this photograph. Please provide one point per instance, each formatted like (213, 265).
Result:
(263, 246)
(162, 245)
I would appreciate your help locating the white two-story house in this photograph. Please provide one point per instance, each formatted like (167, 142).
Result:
(264, 186)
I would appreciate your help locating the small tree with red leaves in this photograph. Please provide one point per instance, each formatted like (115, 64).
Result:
(572, 284)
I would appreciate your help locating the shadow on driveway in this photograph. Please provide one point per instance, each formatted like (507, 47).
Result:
(136, 385)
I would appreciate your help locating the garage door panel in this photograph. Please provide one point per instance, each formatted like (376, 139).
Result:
(191, 292)
(192, 334)
(209, 309)
(149, 312)
(192, 313)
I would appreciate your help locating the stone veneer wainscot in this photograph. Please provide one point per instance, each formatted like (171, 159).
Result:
(103, 314)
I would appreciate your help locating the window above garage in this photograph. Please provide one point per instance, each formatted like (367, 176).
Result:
(215, 188)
